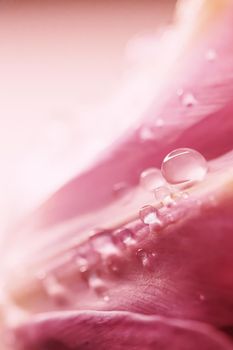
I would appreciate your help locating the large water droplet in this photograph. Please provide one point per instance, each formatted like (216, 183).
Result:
(151, 178)
(148, 215)
(188, 100)
(184, 165)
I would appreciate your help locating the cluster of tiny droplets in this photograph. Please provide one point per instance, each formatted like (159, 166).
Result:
(181, 167)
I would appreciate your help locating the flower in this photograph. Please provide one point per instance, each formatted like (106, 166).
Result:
(129, 285)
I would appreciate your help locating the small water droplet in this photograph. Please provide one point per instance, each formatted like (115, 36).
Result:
(82, 264)
(163, 195)
(184, 165)
(122, 191)
(96, 283)
(151, 178)
(188, 100)
(147, 259)
(148, 215)
(142, 255)
(103, 244)
(114, 264)
(210, 55)
(184, 195)
(55, 290)
(125, 236)
(146, 133)
(113, 267)
(170, 218)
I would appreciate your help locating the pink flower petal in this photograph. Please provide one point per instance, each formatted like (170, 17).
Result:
(206, 126)
(184, 270)
(116, 331)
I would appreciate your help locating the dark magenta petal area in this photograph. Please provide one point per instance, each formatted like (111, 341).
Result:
(88, 330)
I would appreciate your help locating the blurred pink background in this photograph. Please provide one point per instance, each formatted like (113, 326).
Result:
(64, 70)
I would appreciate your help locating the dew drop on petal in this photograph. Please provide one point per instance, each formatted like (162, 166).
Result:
(143, 256)
(82, 264)
(151, 178)
(147, 259)
(125, 236)
(55, 290)
(188, 100)
(96, 283)
(184, 195)
(103, 244)
(163, 195)
(184, 165)
(146, 133)
(120, 189)
(170, 218)
(148, 215)
(114, 265)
